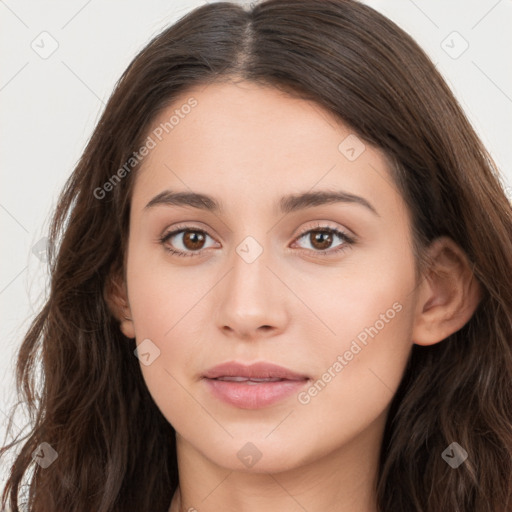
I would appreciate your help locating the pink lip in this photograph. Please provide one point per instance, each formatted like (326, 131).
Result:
(250, 394)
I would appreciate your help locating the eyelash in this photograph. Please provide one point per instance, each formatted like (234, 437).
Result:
(347, 240)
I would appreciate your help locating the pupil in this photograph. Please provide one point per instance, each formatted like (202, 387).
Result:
(323, 238)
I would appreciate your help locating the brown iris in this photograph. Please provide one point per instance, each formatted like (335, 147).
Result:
(322, 238)
(194, 238)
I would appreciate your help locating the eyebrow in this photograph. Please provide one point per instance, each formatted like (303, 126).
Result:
(287, 204)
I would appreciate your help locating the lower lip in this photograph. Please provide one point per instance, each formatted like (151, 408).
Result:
(254, 396)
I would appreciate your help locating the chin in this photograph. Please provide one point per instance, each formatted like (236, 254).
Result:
(257, 456)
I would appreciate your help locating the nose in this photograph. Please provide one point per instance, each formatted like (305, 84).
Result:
(252, 300)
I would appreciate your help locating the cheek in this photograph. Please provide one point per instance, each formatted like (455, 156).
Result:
(163, 305)
(366, 301)
(359, 369)
(168, 307)
(365, 363)
(162, 295)
(370, 313)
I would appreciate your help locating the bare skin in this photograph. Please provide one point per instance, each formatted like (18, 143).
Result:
(298, 304)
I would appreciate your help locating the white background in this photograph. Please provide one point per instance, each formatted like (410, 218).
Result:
(49, 108)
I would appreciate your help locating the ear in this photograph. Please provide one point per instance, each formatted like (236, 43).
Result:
(449, 293)
(116, 297)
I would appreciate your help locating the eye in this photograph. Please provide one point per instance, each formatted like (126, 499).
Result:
(320, 239)
(190, 241)
(187, 238)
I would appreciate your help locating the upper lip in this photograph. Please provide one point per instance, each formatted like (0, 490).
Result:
(259, 370)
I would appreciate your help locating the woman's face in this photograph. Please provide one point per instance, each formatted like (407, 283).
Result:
(301, 257)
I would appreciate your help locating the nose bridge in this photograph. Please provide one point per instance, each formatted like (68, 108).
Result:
(250, 295)
(250, 275)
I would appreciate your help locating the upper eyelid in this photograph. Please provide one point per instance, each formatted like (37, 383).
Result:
(318, 226)
(189, 227)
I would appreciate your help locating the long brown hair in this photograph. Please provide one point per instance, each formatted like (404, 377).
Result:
(116, 451)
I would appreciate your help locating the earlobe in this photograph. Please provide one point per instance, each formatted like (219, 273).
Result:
(116, 297)
(127, 328)
(448, 295)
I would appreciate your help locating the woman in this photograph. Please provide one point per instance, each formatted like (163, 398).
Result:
(280, 281)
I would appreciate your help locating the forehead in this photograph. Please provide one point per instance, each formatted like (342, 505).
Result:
(239, 114)
(247, 140)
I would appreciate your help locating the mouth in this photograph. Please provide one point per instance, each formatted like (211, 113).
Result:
(253, 386)
(249, 381)
(261, 371)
